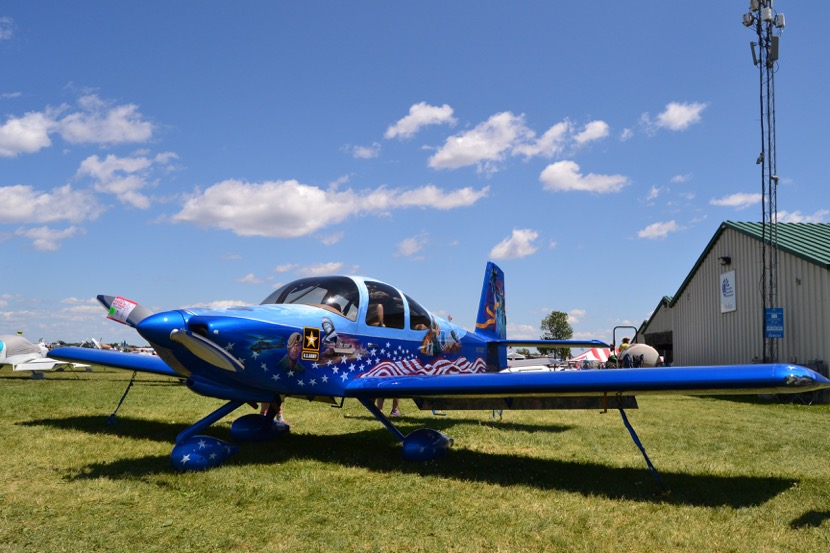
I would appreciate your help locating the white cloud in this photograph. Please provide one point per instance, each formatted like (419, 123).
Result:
(658, 230)
(251, 278)
(332, 239)
(319, 269)
(23, 204)
(420, 115)
(576, 315)
(125, 177)
(565, 176)
(285, 267)
(288, 209)
(101, 123)
(680, 179)
(78, 309)
(6, 28)
(738, 201)
(595, 130)
(487, 142)
(678, 116)
(820, 216)
(518, 245)
(522, 331)
(25, 135)
(218, 304)
(506, 134)
(96, 122)
(411, 246)
(550, 144)
(47, 239)
(626, 135)
(653, 193)
(432, 196)
(366, 152)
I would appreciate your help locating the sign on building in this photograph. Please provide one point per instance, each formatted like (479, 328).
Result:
(727, 292)
(774, 322)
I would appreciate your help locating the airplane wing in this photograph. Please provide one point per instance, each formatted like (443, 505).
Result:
(711, 380)
(116, 359)
(44, 364)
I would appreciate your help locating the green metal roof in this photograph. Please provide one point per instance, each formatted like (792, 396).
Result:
(809, 241)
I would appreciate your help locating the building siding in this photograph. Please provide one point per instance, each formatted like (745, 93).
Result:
(702, 335)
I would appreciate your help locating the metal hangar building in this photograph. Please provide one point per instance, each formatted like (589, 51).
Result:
(717, 315)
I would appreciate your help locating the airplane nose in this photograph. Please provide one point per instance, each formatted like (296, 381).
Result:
(156, 328)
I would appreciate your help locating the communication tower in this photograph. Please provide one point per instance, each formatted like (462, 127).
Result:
(768, 25)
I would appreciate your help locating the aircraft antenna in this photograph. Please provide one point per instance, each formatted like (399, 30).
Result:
(768, 26)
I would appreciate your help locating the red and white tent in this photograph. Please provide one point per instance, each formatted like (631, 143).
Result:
(598, 355)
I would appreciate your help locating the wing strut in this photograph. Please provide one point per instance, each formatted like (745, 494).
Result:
(113, 420)
(369, 404)
(643, 451)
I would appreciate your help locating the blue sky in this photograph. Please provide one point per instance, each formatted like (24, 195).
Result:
(197, 153)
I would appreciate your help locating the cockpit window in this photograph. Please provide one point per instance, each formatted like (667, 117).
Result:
(385, 306)
(336, 294)
(418, 316)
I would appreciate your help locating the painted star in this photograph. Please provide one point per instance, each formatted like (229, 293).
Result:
(202, 444)
(185, 459)
(229, 347)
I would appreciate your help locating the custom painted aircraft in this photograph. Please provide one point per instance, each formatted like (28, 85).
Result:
(330, 338)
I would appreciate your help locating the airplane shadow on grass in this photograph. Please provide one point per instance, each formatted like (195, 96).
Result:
(375, 450)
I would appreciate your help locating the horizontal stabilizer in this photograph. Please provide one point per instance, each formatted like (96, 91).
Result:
(550, 343)
(119, 360)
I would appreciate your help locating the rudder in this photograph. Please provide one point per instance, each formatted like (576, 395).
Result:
(491, 321)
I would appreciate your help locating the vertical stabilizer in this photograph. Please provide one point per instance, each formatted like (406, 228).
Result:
(491, 321)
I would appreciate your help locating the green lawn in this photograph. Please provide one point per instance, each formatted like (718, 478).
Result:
(743, 476)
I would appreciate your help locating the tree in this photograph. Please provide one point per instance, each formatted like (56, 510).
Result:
(556, 327)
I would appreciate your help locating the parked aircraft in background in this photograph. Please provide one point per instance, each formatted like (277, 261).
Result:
(330, 338)
(22, 355)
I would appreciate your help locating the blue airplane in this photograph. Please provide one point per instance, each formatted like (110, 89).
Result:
(334, 337)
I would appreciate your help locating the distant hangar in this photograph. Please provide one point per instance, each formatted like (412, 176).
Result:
(717, 315)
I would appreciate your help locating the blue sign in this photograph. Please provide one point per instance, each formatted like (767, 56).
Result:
(774, 322)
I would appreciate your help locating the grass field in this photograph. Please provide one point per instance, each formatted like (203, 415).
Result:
(743, 476)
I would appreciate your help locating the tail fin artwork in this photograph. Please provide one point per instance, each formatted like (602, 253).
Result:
(491, 321)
